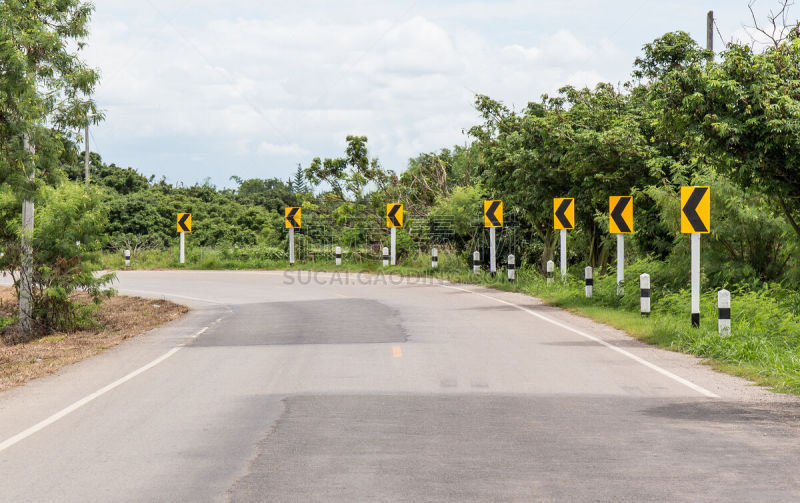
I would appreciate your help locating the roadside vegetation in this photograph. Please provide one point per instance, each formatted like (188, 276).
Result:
(120, 318)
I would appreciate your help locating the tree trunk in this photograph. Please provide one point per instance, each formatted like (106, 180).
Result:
(26, 267)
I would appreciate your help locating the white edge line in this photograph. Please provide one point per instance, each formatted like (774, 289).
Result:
(630, 355)
(83, 401)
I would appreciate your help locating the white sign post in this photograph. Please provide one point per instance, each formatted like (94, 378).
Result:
(492, 254)
(394, 245)
(183, 248)
(695, 279)
(291, 245)
(620, 265)
(563, 254)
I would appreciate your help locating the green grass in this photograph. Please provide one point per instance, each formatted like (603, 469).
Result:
(764, 345)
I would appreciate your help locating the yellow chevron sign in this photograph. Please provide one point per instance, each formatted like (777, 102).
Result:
(185, 222)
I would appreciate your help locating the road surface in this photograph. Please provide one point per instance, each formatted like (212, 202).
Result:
(324, 387)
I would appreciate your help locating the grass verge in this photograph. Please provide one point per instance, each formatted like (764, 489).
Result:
(117, 319)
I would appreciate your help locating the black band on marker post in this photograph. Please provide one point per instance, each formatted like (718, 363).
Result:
(695, 320)
(589, 281)
(724, 313)
(645, 292)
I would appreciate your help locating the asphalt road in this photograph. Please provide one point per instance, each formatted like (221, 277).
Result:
(321, 387)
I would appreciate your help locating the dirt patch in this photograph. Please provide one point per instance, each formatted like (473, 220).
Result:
(119, 318)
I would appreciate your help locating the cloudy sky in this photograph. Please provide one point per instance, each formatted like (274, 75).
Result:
(197, 89)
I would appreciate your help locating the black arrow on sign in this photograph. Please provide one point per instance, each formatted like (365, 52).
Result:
(690, 209)
(616, 214)
(561, 216)
(182, 222)
(392, 215)
(290, 217)
(490, 213)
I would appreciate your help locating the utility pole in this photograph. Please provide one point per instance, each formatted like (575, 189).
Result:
(86, 151)
(26, 266)
(710, 30)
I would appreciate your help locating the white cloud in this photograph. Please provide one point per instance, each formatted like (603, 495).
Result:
(290, 87)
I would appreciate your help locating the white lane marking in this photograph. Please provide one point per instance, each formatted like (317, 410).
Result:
(162, 295)
(83, 401)
(621, 351)
(200, 332)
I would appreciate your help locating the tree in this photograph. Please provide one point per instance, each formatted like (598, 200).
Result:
(741, 114)
(297, 184)
(350, 175)
(45, 95)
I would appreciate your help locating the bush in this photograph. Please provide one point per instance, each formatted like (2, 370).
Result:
(64, 215)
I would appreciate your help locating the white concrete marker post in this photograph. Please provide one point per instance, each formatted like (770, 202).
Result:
(550, 267)
(385, 256)
(695, 279)
(127, 258)
(394, 245)
(563, 254)
(183, 248)
(476, 262)
(338, 255)
(620, 265)
(434, 258)
(587, 275)
(492, 253)
(511, 269)
(78, 244)
(644, 294)
(724, 310)
(291, 245)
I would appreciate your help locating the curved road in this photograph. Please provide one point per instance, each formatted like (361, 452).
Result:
(333, 387)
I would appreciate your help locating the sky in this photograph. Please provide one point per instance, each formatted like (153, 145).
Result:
(197, 90)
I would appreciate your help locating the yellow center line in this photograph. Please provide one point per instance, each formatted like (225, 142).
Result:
(397, 351)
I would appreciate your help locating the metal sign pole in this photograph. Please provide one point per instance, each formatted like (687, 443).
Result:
(695, 279)
(183, 248)
(563, 254)
(492, 254)
(394, 246)
(620, 264)
(291, 246)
